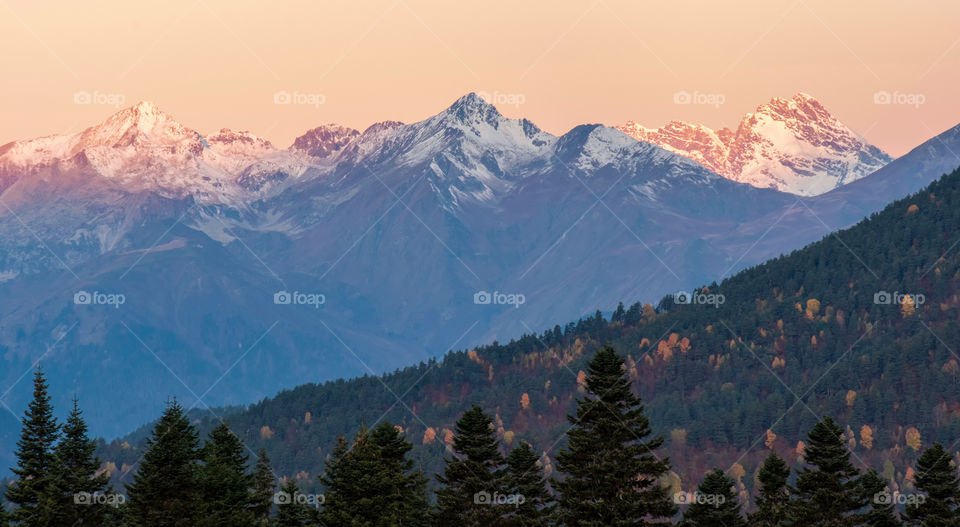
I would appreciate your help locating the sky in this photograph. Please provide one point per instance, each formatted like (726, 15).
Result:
(887, 68)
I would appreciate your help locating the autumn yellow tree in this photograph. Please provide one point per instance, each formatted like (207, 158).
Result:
(866, 437)
(913, 439)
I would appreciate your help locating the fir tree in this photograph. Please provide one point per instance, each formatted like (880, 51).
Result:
(882, 512)
(4, 517)
(612, 473)
(291, 510)
(827, 491)
(772, 499)
(371, 482)
(407, 490)
(76, 482)
(224, 481)
(474, 479)
(525, 478)
(263, 488)
(355, 483)
(165, 489)
(714, 504)
(937, 480)
(33, 493)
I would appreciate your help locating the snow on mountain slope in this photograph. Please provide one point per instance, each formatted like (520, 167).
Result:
(468, 152)
(143, 149)
(792, 145)
(696, 142)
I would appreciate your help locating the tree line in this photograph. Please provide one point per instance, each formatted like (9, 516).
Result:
(609, 473)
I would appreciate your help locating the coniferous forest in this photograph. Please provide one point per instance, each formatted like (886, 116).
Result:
(612, 472)
(822, 391)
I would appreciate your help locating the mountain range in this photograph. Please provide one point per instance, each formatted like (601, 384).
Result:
(793, 145)
(244, 268)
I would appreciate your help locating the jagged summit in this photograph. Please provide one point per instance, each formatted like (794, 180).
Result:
(324, 140)
(471, 102)
(794, 145)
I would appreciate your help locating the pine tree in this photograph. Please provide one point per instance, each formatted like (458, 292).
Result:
(4, 517)
(407, 491)
(165, 489)
(474, 479)
(937, 480)
(882, 512)
(32, 492)
(714, 504)
(526, 479)
(773, 499)
(76, 479)
(827, 491)
(263, 488)
(356, 484)
(292, 511)
(224, 481)
(612, 473)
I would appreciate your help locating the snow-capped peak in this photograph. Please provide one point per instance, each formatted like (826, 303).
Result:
(471, 108)
(793, 145)
(139, 124)
(471, 129)
(141, 148)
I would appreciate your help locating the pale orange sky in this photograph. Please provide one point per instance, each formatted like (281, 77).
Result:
(214, 64)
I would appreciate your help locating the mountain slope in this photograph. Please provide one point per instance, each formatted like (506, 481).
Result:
(804, 335)
(793, 145)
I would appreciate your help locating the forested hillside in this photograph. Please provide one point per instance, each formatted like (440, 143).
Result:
(802, 336)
